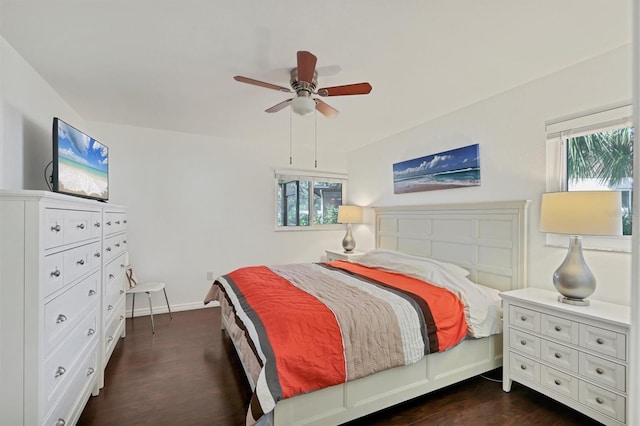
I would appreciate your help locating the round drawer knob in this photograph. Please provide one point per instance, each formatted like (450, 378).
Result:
(61, 318)
(81, 226)
(599, 400)
(600, 341)
(523, 342)
(557, 328)
(599, 370)
(60, 371)
(522, 366)
(91, 332)
(90, 371)
(557, 355)
(80, 262)
(56, 228)
(557, 382)
(523, 318)
(55, 273)
(110, 307)
(92, 292)
(60, 422)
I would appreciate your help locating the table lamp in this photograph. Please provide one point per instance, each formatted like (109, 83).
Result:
(579, 213)
(349, 215)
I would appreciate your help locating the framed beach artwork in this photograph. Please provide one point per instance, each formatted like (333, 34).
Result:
(457, 168)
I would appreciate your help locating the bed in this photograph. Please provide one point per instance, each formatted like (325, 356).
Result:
(485, 240)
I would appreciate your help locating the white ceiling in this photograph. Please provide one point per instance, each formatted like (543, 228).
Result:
(169, 64)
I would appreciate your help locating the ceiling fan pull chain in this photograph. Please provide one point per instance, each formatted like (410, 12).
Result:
(315, 147)
(290, 137)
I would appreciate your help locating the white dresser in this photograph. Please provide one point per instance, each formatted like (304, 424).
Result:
(52, 268)
(577, 355)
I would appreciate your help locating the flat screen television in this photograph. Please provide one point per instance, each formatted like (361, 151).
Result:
(80, 163)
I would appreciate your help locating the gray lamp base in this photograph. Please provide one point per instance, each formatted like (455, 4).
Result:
(348, 243)
(570, 301)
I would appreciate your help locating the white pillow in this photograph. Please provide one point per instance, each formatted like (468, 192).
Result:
(406, 264)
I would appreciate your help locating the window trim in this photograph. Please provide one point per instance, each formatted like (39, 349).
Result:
(557, 133)
(308, 175)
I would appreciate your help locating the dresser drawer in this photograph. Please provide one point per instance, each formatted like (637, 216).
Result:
(603, 371)
(604, 401)
(79, 387)
(524, 318)
(53, 273)
(63, 362)
(525, 343)
(521, 366)
(559, 355)
(114, 245)
(113, 328)
(115, 222)
(78, 262)
(53, 232)
(115, 268)
(78, 226)
(559, 382)
(64, 312)
(603, 341)
(559, 328)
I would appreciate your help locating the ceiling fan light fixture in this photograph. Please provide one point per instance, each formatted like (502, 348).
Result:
(303, 105)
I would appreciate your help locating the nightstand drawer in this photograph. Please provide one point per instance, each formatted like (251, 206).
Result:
(558, 381)
(524, 318)
(604, 401)
(560, 328)
(604, 341)
(603, 371)
(559, 355)
(525, 343)
(524, 367)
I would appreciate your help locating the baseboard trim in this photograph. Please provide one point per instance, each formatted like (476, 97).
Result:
(162, 309)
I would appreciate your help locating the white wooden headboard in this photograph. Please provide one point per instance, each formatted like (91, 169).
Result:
(488, 239)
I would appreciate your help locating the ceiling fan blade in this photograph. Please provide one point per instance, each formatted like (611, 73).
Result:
(326, 109)
(248, 80)
(280, 106)
(306, 66)
(348, 89)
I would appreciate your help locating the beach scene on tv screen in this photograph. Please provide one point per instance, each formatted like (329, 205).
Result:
(82, 164)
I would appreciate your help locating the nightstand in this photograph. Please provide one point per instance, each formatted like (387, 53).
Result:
(577, 355)
(341, 255)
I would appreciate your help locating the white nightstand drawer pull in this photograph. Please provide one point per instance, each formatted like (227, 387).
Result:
(61, 318)
(600, 341)
(599, 370)
(599, 400)
(90, 371)
(60, 371)
(557, 382)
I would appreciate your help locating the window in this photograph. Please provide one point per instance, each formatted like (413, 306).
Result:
(594, 152)
(308, 201)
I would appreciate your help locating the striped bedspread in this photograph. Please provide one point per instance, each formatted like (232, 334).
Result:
(318, 325)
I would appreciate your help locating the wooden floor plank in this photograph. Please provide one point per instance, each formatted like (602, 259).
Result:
(188, 374)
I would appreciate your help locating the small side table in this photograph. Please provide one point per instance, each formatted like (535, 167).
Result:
(339, 254)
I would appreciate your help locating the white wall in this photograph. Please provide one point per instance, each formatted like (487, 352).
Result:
(510, 129)
(199, 203)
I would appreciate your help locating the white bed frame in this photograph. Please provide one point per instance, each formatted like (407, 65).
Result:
(489, 240)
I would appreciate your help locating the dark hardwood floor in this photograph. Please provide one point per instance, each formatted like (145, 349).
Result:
(188, 374)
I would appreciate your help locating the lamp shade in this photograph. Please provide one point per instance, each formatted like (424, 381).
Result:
(582, 212)
(349, 214)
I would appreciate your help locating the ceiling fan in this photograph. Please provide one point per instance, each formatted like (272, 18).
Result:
(304, 80)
